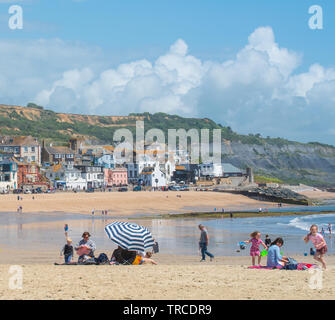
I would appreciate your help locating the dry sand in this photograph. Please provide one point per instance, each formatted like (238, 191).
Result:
(318, 195)
(128, 203)
(174, 278)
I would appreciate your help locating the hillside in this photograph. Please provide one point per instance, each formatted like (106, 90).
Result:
(290, 161)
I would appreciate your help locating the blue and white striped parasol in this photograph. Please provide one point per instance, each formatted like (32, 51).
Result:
(130, 236)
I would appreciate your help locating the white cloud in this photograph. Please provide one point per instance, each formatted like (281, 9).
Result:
(257, 91)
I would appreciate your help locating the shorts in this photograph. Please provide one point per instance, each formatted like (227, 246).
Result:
(255, 252)
(323, 250)
(138, 260)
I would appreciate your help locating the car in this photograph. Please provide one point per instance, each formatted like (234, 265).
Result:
(37, 190)
(174, 188)
(17, 191)
(123, 189)
(137, 188)
(89, 190)
(27, 191)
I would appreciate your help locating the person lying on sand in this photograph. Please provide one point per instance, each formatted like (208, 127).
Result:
(147, 259)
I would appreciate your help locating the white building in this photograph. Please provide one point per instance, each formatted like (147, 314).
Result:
(93, 175)
(66, 177)
(211, 170)
(8, 175)
(220, 170)
(153, 177)
(135, 169)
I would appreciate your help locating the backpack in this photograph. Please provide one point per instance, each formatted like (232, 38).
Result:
(291, 265)
(102, 259)
(155, 247)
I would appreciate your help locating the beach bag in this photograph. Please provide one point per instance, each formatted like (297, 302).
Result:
(291, 265)
(102, 259)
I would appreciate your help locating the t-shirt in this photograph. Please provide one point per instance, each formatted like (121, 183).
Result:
(316, 240)
(91, 248)
(256, 243)
(203, 236)
(274, 256)
(267, 241)
(68, 250)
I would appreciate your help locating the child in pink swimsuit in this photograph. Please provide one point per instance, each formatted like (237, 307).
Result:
(256, 241)
(319, 244)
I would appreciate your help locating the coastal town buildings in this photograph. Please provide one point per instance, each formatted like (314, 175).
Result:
(28, 175)
(153, 177)
(115, 177)
(8, 175)
(57, 154)
(23, 148)
(66, 177)
(106, 160)
(93, 175)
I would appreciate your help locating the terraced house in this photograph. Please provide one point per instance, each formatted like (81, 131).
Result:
(23, 148)
(8, 175)
(57, 154)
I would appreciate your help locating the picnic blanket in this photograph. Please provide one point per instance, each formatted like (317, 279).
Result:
(300, 266)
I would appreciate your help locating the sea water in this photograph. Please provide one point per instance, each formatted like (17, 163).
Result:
(41, 231)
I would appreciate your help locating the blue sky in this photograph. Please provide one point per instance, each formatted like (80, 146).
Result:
(238, 62)
(212, 29)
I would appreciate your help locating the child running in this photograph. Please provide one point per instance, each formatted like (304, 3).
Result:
(319, 244)
(256, 241)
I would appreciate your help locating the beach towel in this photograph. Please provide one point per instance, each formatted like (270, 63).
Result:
(300, 266)
(263, 267)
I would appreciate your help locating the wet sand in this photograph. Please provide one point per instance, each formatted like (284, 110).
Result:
(174, 278)
(129, 203)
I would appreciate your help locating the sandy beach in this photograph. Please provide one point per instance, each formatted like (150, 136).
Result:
(174, 278)
(129, 203)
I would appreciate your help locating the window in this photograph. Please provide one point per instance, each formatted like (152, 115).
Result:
(32, 149)
(25, 149)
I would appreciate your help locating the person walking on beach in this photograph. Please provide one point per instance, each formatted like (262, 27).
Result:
(319, 244)
(203, 243)
(330, 228)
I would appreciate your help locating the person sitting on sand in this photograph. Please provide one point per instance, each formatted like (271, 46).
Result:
(319, 244)
(85, 247)
(256, 241)
(124, 256)
(275, 259)
(67, 250)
